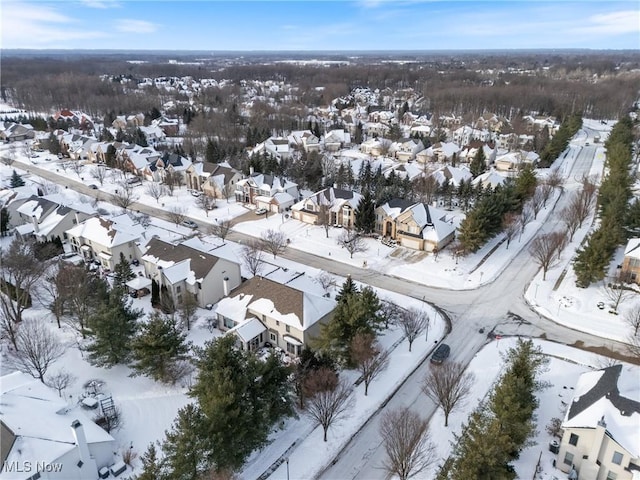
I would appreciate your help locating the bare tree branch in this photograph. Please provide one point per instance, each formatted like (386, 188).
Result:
(253, 257)
(331, 402)
(412, 322)
(36, 349)
(352, 242)
(274, 242)
(447, 385)
(546, 248)
(369, 357)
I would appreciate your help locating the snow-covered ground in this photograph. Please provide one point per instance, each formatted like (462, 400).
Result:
(149, 408)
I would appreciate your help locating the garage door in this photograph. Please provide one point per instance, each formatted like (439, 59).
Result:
(410, 243)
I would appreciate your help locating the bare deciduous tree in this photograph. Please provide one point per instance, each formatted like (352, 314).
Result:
(546, 189)
(369, 357)
(546, 248)
(177, 214)
(172, 180)
(331, 400)
(61, 380)
(156, 191)
(20, 273)
(206, 203)
(511, 226)
(406, 442)
(253, 257)
(49, 188)
(187, 309)
(526, 215)
(390, 312)
(554, 179)
(77, 167)
(55, 299)
(536, 202)
(36, 349)
(412, 322)
(352, 242)
(617, 289)
(273, 242)
(570, 216)
(99, 173)
(221, 229)
(124, 196)
(447, 385)
(324, 218)
(326, 281)
(632, 318)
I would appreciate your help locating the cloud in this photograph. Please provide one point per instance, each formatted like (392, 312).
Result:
(129, 25)
(40, 26)
(102, 4)
(612, 23)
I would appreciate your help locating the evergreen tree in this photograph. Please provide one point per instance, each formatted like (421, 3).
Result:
(140, 138)
(234, 397)
(151, 465)
(365, 215)
(158, 348)
(479, 163)
(526, 182)
(4, 221)
(54, 144)
(119, 135)
(16, 180)
(122, 272)
(110, 156)
(348, 287)
(113, 326)
(187, 446)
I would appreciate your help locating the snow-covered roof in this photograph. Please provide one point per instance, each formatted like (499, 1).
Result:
(631, 250)
(108, 233)
(491, 178)
(610, 396)
(249, 329)
(40, 421)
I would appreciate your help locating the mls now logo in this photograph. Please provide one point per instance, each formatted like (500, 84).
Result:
(27, 467)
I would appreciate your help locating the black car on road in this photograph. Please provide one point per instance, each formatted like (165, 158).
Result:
(441, 354)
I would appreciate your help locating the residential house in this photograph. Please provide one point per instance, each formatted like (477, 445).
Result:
(631, 261)
(417, 226)
(336, 139)
(154, 134)
(375, 129)
(304, 140)
(489, 179)
(601, 429)
(276, 194)
(405, 150)
(179, 269)
(103, 240)
(16, 132)
(74, 118)
(375, 147)
(514, 161)
(38, 428)
(491, 122)
(339, 205)
(215, 180)
(136, 159)
(454, 175)
(54, 225)
(170, 126)
(262, 311)
(442, 152)
(172, 162)
(465, 135)
(277, 147)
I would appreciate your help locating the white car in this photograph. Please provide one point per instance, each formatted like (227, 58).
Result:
(189, 224)
(195, 193)
(261, 211)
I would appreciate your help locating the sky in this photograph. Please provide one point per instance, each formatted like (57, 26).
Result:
(218, 25)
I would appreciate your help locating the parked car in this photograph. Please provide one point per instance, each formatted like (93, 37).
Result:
(93, 187)
(189, 224)
(261, 211)
(195, 193)
(441, 354)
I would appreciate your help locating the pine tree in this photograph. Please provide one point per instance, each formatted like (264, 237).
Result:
(479, 163)
(122, 272)
(472, 233)
(348, 287)
(4, 221)
(151, 465)
(54, 144)
(230, 391)
(113, 326)
(158, 348)
(187, 446)
(365, 215)
(16, 180)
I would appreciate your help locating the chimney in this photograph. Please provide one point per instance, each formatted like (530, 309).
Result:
(81, 442)
(251, 170)
(225, 286)
(36, 227)
(75, 213)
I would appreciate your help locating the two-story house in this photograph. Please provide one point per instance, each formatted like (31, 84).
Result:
(339, 205)
(215, 180)
(262, 311)
(103, 240)
(180, 268)
(417, 226)
(270, 192)
(406, 149)
(631, 262)
(601, 429)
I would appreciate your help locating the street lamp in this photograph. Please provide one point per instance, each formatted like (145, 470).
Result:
(535, 296)
(287, 460)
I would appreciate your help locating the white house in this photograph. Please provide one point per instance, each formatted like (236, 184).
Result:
(601, 429)
(43, 437)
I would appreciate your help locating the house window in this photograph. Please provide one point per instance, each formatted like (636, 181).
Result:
(264, 318)
(288, 328)
(568, 458)
(277, 323)
(178, 289)
(612, 475)
(180, 299)
(573, 439)
(617, 458)
(228, 323)
(273, 337)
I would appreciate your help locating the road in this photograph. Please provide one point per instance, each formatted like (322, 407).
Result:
(498, 306)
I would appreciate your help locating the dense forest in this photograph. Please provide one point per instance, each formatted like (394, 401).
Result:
(598, 84)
